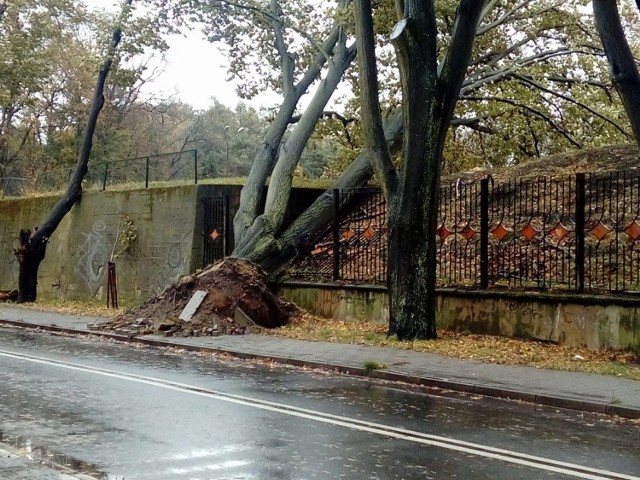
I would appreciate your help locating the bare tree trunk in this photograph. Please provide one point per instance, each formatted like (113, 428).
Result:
(32, 247)
(257, 236)
(265, 160)
(622, 65)
(29, 259)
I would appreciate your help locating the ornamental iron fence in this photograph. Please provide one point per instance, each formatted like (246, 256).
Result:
(574, 233)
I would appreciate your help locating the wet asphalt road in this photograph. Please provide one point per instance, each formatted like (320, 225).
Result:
(143, 413)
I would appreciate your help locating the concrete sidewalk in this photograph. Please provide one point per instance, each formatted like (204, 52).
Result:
(587, 392)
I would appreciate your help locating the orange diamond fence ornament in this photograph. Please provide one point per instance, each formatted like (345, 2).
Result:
(600, 231)
(468, 232)
(369, 233)
(530, 232)
(559, 231)
(633, 231)
(214, 235)
(443, 232)
(500, 232)
(349, 234)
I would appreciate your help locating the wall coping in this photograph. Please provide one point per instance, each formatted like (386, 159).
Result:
(628, 300)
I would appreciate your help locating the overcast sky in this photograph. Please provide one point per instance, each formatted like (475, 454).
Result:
(194, 71)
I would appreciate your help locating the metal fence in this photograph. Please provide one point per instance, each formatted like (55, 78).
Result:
(574, 233)
(166, 167)
(181, 166)
(354, 248)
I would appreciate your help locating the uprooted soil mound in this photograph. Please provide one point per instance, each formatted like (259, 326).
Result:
(238, 300)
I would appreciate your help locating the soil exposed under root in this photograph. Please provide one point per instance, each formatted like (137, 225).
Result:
(238, 300)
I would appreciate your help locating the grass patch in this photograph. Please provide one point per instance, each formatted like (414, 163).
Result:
(70, 307)
(371, 365)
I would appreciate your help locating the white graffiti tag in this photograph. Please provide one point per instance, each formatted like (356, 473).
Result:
(92, 256)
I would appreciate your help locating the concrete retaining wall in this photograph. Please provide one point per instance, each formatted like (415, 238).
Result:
(74, 266)
(581, 320)
(170, 239)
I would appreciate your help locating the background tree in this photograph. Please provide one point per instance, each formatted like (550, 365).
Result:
(33, 244)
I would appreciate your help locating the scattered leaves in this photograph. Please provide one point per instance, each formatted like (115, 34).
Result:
(484, 348)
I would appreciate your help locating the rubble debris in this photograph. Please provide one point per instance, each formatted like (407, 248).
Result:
(237, 301)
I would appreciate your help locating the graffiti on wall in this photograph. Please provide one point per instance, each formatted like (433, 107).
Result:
(526, 310)
(356, 305)
(171, 258)
(92, 256)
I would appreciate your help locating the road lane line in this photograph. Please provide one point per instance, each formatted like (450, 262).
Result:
(509, 456)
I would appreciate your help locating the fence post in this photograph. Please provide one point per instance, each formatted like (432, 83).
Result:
(146, 173)
(106, 174)
(227, 227)
(580, 230)
(195, 166)
(484, 233)
(336, 234)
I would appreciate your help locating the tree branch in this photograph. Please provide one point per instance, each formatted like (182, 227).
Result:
(279, 186)
(458, 57)
(252, 193)
(530, 82)
(481, 30)
(530, 109)
(271, 17)
(370, 113)
(287, 61)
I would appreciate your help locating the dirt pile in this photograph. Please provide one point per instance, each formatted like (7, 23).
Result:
(237, 301)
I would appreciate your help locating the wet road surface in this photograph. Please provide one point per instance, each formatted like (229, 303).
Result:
(143, 413)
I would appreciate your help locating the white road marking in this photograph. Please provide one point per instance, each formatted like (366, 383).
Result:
(509, 456)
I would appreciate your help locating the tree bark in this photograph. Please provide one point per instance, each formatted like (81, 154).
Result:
(622, 66)
(259, 238)
(31, 250)
(282, 176)
(29, 259)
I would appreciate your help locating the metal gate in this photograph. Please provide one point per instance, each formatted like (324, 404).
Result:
(216, 229)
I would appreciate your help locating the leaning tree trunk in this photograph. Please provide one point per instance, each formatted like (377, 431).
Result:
(260, 239)
(32, 246)
(622, 65)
